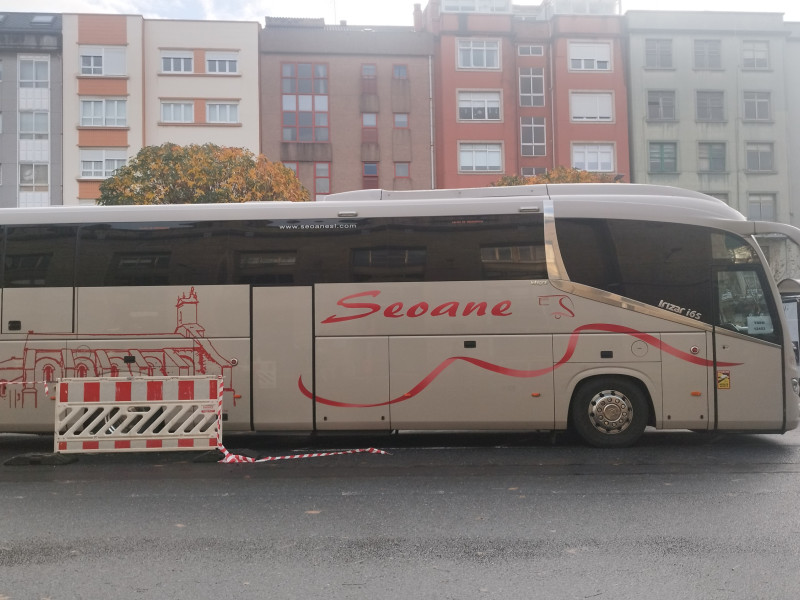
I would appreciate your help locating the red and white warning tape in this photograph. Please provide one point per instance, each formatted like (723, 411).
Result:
(238, 458)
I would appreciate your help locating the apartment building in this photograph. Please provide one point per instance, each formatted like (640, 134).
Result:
(708, 106)
(131, 82)
(347, 107)
(30, 109)
(520, 90)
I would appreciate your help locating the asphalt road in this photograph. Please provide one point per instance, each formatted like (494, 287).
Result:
(680, 515)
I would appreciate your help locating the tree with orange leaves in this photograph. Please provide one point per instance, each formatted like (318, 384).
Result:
(558, 175)
(200, 174)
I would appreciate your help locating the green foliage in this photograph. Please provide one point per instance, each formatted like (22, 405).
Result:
(558, 175)
(195, 174)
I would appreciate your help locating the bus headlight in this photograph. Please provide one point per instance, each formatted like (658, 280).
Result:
(796, 386)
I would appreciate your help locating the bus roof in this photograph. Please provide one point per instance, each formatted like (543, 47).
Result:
(590, 200)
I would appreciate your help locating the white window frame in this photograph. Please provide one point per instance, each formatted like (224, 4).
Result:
(105, 112)
(762, 199)
(177, 112)
(471, 48)
(477, 102)
(757, 100)
(764, 152)
(591, 107)
(533, 136)
(107, 61)
(585, 155)
(40, 77)
(666, 100)
(177, 62)
(222, 112)
(590, 56)
(534, 98)
(101, 163)
(36, 128)
(222, 63)
(34, 175)
(755, 55)
(482, 157)
(530, 50)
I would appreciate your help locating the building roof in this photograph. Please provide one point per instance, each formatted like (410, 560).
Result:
(30, 32)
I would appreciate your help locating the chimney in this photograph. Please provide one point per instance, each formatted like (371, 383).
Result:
(417, 17)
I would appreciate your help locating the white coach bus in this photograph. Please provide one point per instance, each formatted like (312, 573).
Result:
(603, 308)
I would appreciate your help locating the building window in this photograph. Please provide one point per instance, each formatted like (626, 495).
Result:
(711, 106)
(478, 54)
(322, 179)
(707, 54)
(108, 61)
(757, 106)
(595, 106)
(369, 71)
(34, 73)
(532, 136)
(402, 170)
(34, 125)
(369, 175)
(532, 171)
(177, 112)
(225, 63)
(401, 120)
(104, 112)
(34, 177)
(593, 157)
(531, 86)
(292, 166)
(479, 106)
(305, 102)
(369, 127)
(761, 207)
(222, 113)
(480, 158)
(658, 54)
(760, 157)
(661, 105)
(530, 50)
(755, 55)
(663, 157)
(400, 71)
(479, 6)
(590, 56)
(100, 163)
(711, 157)
(175, 61)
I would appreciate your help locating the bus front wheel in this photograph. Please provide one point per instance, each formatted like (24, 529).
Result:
(609, 412)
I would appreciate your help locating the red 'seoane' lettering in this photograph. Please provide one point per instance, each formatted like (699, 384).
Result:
(373, 308)
(396, 309)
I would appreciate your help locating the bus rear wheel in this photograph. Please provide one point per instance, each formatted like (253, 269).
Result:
(609, 412)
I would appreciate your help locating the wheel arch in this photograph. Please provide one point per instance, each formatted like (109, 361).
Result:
(644, 383)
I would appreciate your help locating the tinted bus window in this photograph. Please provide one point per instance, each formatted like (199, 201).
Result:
(122, 254)
(39, 256)
(662, 264)
(388, 249)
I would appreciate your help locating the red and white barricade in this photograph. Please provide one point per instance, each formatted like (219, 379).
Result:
(141, 414)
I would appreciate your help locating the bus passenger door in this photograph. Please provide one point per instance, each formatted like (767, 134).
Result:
(282, 352)
(748, 377)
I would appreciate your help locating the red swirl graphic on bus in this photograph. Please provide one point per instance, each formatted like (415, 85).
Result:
(573, 342)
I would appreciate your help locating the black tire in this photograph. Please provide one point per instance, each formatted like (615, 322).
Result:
(609, 412)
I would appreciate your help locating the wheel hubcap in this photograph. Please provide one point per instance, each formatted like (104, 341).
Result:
(610, 412)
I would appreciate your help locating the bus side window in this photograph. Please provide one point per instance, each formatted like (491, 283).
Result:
(39, 256)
